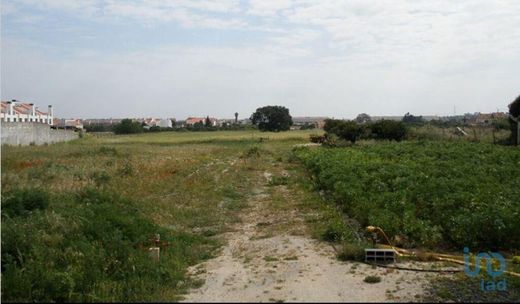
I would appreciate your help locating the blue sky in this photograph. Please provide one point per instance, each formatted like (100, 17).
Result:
(339, 58)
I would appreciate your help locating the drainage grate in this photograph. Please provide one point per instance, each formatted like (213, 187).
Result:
(379, 255)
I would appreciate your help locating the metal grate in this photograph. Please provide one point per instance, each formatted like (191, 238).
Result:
(380, 255)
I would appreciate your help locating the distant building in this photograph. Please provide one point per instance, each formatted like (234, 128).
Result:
(395, 118)
(484, 119)
(318, 122)
(16, 111)
(190, 121)
(73, 124)
(102, 121)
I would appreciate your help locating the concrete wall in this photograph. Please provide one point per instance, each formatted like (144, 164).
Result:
(24, 133)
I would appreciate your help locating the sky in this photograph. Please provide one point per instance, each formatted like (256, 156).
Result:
(336, 58)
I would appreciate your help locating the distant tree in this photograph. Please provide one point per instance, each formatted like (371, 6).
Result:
(389, 129)
(363, 118)
(272, 118)
(236, 117)
(514, 110)
(413, 120)
(330, 125)
(207, 122)
(174, 123)
(128, 126)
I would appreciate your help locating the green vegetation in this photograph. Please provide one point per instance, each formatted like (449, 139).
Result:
(431, 193)
(128, 126)
(272, 118)
(78, 217)
(352, 251)
(514, 110)
(351, 131)
(388, 129)
(372, 279)
(90, 247)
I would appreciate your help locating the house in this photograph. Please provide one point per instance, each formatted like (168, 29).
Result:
(318, 122)
(73, 124)
(164, 123)
(484, 119)
(191, 121)
(16, 111)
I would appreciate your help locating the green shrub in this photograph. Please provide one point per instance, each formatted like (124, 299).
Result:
(335, 231)
(253, 151)
(126, 170)
(92, 249)
(22, 201)
(388, 129)
(352, 252)
(128, 126)
(372, 279)
(347, 130)
(100, 178)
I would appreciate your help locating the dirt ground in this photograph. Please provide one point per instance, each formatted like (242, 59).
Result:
(269, 257)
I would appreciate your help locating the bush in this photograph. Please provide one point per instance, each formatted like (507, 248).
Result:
(22, 201)
(128, 126)
(253, 151)
(388, 129)
(91, 250)
(514, 110)
(318, 139)
(347, 130)
(372, 279)
(352, 252)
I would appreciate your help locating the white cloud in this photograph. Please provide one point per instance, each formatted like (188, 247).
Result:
(268, 7)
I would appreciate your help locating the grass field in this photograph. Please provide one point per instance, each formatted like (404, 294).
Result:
(95, 202)
(78, 217)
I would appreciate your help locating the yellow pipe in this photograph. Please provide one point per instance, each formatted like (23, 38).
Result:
(437, 256)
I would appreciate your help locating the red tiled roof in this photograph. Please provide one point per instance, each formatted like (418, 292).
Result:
(21, 108)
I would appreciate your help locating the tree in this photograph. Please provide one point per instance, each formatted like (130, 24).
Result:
(412, 120)
(272, 118)
(236, 117)
(514, 111)
(363, 118)
(207, 122)
(128, 126)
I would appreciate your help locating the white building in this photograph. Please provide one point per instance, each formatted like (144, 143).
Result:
(15, 111)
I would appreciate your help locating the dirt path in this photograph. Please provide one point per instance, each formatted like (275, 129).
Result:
(270, 258)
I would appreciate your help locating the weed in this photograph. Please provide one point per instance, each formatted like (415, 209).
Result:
(126, 170)
(22, 201)
(253, 151)
(270, 259)
(108, 151)
(100, 178)
(372, 279)
(351, 252)
(278, 180)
